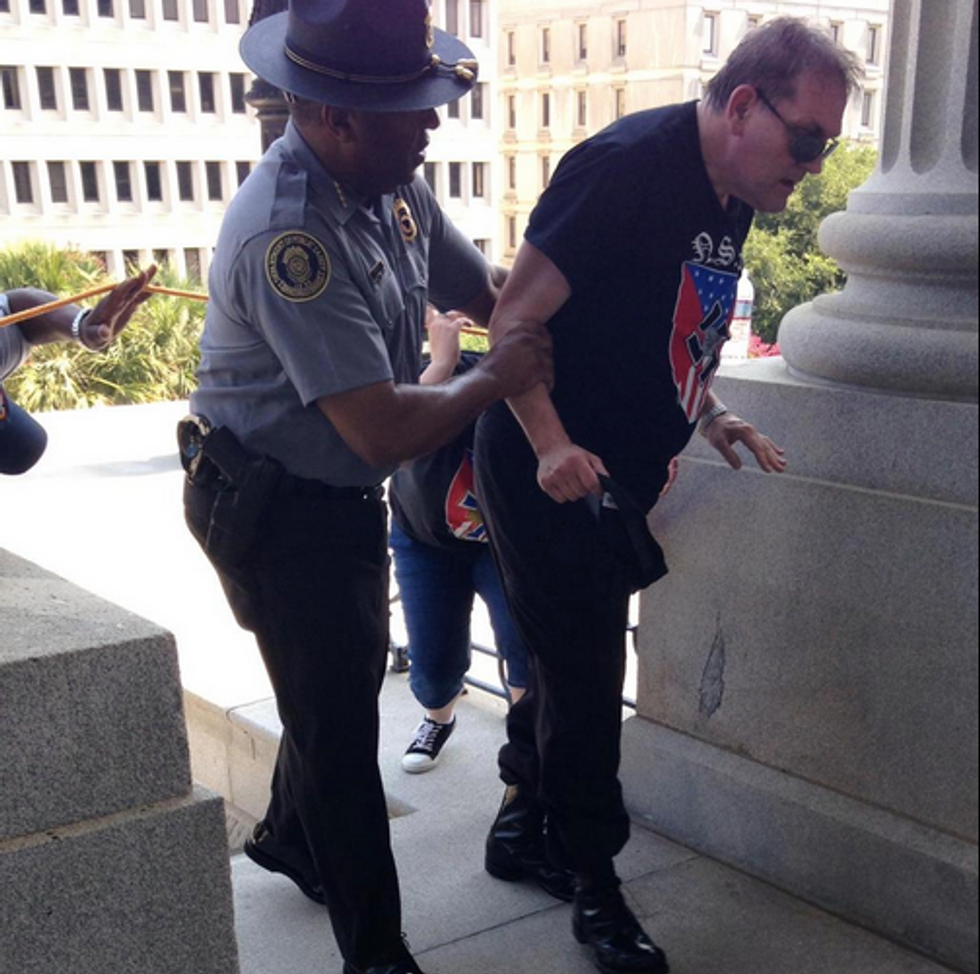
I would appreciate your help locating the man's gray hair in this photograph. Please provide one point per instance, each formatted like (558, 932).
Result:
(773, 56)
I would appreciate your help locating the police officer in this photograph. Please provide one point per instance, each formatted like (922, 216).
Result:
(309, 400)
(22, 439)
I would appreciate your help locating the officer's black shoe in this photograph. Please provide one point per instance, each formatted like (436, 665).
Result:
(260, 848)
(603, 922)
(516, 848)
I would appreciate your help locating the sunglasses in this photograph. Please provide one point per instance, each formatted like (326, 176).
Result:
(804, 146)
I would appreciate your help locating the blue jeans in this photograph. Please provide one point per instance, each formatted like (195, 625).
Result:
(437, 586)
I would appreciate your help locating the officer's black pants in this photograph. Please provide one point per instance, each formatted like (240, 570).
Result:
(571, 604)
(314, 591)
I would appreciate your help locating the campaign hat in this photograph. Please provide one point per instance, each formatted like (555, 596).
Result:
(22, 438)
(367, 55)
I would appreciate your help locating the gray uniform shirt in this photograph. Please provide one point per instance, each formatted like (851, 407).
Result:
(314, 293)
(14, 347)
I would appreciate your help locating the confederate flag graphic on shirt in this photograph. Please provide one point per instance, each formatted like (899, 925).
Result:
(463, 515)
(705, 305)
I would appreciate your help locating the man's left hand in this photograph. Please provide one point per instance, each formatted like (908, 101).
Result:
(727, 430)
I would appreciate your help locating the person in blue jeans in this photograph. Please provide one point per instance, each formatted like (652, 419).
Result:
(442, 560)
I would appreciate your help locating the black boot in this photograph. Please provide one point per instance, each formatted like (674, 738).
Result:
(403, 967)
(604, 922)
(516, 847)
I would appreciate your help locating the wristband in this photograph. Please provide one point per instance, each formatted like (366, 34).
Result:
(76, 325)
(710, 416)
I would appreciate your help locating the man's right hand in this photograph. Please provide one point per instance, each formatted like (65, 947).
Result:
(567, 473)
(520, 360)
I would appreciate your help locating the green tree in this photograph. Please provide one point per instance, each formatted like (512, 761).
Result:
(154, 359)
(782, 254)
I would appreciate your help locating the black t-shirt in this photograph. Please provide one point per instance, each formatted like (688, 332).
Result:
(433, 499)
(633, 222)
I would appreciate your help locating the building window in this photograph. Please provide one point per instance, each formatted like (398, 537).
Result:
(208, 103)
(545, 171)
(124, 181)
(582, 116)
(178, 92)
(837, 31)
(90, 182)
(546, 45)
(752, 22)
(192, 260)
(144, 91)
(154, 182)
(709, 35)
(79, 89)
(453, 109)
(430, 176)
(546, 111)
(456, 180)
(479, 180)
(512, 232)
(45, 89)
(583, 42)
(113, 89)
(620, 102)
(170, 10)
(874, 45)
(512, 111)
(137, 9)
(106, 8)
(233, 13)
(4, 6)
(10, 87)
(237, 85)
(185, 182)
(37, 7)
(868, 110)
(242, 171)
(201, 12)
(70, 8)
(511, 48)
(131, 262)
(452, 17)
(512, 172)
(58, 181)
(478, 101)
(23, 184)
(622, 38)
(476, 18)
(215, 183)
(483, 246)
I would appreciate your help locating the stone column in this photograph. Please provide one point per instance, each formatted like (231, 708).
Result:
(807, 705)
(907, 319)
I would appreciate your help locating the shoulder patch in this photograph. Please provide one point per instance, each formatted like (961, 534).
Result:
(298, 266)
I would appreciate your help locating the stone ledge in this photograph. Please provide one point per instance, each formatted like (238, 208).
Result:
(91, 721)
(913, 883)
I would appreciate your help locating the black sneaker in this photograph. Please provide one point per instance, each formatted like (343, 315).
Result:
(423, 753)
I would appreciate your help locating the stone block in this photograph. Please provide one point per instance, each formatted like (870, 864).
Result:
(91, 721)
(146, 891)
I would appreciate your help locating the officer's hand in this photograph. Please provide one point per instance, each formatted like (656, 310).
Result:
(521, 359)
(568, 473)
(727, 430)
(111, 315)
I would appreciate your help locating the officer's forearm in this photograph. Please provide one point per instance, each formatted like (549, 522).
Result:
(387, 424)
(55, 326)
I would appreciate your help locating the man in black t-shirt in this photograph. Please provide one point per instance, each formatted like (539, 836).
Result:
(632, 260)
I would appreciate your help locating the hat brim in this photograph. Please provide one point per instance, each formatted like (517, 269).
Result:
(23, 439)
(263, 49)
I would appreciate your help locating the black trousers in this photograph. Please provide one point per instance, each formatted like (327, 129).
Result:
(314, 591)
(571, 604)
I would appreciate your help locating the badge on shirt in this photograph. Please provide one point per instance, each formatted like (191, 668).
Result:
(298, 267)
(406, 222)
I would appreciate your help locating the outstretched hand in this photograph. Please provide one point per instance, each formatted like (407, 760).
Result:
(111, 315)
(728, 430)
